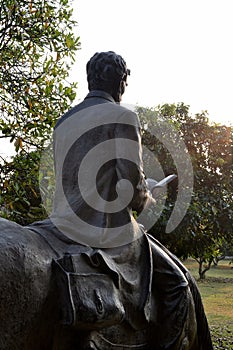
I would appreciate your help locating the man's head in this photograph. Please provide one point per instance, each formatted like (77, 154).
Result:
(107, 71)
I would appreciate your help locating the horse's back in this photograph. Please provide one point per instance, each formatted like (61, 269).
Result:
(25, 281)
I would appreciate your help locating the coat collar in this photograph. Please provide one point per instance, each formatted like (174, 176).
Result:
(101, 94)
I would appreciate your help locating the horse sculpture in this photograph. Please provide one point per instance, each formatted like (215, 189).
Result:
(33, 316)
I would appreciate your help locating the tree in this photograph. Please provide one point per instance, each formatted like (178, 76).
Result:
(37, 49)
(208, 221)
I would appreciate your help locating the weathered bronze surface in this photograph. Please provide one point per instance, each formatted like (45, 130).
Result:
(56, 293)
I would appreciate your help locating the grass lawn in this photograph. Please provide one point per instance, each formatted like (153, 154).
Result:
(217, 295)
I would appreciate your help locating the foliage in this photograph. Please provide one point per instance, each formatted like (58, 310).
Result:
(20, 189)
(37, 49)
(208, 222)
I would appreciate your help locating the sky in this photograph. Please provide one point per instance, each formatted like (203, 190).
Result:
(177, 50)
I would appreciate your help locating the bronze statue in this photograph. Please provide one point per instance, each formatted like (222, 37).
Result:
(89, 276)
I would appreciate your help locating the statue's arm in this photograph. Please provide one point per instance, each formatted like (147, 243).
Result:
(129, 164)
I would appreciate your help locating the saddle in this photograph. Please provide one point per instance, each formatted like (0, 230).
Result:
(89, 291)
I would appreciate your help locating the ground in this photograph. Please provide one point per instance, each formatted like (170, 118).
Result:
(217, 294)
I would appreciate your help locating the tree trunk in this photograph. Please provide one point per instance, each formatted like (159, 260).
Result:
(202, 269)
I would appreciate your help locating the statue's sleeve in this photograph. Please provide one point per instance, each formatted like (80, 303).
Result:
(129, 165)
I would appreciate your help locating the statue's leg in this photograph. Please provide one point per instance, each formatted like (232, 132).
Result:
(201, 338)
(174, 312)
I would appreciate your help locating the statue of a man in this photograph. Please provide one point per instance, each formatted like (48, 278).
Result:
(100, 184)
(98, 162)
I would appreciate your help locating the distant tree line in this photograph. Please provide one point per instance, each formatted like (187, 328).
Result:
(206, 231)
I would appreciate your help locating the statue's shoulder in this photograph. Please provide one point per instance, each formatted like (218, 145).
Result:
(123, 114)
(127, 109)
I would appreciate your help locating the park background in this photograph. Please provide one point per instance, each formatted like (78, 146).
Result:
(179, 54)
